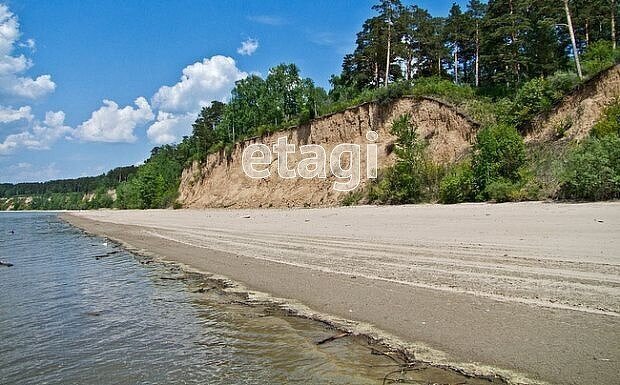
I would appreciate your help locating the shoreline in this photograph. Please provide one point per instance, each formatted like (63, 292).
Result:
(410, 354)
(377, 306)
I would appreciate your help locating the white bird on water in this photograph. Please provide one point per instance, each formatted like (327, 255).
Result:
(105, 244)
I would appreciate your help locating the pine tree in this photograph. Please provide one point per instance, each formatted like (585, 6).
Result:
(503, 37)
(457, 32)
(476, 11)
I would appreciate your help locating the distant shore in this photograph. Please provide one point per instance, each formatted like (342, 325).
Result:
(529, 288)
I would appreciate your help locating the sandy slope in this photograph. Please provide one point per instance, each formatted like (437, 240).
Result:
(530, 287)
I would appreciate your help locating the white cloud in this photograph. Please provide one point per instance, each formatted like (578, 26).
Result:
(9, 114)
(170, 127)
(201, 83)
(30, 44)
(178, 105)
(248, 47)
(12, 82)
(111, 124)
(38, 137)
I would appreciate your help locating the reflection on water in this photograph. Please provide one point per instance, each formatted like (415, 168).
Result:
(74, 309)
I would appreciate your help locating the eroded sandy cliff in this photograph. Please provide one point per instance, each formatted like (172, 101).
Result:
(221, 182)
(578, 112)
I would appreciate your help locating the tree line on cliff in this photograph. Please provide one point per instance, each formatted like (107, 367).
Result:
(503, 62)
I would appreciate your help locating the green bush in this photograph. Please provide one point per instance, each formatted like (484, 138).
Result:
(563, 82)
(443, 88)
(457, 186)
(501, 190)
(499, 153)
(534, 97)
(405, 179)
(352, 198)
(609, 123)
(386, 95)
(545, 165)
(598, 57)
(413, 178)
(592, 170)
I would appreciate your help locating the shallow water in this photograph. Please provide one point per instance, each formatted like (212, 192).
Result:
(75, 309)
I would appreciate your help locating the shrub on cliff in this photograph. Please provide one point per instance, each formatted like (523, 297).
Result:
(443, 89)
(534, 97)
(592, 170)
(413, 178)
(458, 185)
(598, 57)
(609, 123)
(499, 154)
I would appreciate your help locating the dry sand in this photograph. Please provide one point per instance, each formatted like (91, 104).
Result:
(532, 288)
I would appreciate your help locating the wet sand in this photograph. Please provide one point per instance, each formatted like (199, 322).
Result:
(532, 288)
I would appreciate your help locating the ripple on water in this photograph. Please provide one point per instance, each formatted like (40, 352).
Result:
(68, 317)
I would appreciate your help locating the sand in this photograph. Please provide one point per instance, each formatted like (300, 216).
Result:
(532, 289)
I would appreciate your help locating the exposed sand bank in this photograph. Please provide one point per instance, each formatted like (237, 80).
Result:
(531, 287)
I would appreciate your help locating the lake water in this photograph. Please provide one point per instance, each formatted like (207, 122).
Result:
(75, 309)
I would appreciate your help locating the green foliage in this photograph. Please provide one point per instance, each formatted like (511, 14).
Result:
(83, 185)
(207, 131)
(352, 198)
(458, 185)
(405, 180)
(534, 97)
(444, 89)
(598, 57)
(499, 153)
(592, 170)
(545, 165)
(501, 190)
(156, 183)
(413, 178)
(562, 82)
(259, 105)
(609, 123)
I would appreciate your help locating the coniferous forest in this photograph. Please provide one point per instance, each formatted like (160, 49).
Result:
(503, 62)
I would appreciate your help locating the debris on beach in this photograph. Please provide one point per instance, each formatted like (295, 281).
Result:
(98, 257)
(333, 338)
(173, 277)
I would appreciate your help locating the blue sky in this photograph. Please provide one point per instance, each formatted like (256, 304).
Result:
(86, 86)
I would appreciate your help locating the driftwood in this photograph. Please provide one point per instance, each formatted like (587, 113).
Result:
(333, 338)
(98, 257)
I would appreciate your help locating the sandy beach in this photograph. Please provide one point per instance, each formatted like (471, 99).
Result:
(532, 289)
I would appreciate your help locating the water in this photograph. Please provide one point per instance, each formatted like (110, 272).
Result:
(69, 317)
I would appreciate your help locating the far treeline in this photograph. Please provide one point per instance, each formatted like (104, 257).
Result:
(503, 62)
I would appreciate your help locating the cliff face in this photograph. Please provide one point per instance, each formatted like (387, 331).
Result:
(221, 181)
(578, 112)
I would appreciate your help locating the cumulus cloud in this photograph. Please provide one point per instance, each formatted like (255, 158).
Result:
(113, 124)
(178, 105)
(12, 66)
(170, 127)
(9, 114)
(248, 47)
(201, 83)
(39, 136)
